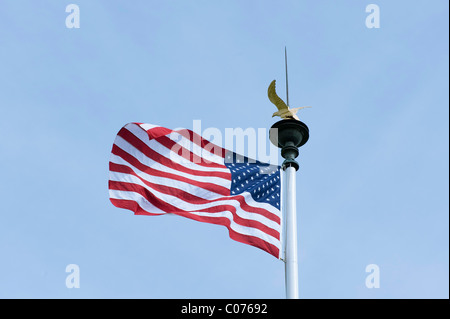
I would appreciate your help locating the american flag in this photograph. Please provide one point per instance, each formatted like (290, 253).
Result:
(154, 171)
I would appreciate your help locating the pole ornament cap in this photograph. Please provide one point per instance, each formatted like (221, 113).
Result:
(289, 135)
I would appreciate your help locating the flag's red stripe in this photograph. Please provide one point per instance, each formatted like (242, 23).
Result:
(123, 186)
(147, 151)
(155, 132)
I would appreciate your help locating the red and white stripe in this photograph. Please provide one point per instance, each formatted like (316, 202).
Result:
(155, 171)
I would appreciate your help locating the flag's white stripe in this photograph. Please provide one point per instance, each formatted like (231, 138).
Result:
(177, 137)
(183, 205)
(244, 230)
(187, 187)
(138, 155)
(165, 181)
(144, 126)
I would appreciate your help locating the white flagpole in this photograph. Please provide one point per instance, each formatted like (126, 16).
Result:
(291, 261)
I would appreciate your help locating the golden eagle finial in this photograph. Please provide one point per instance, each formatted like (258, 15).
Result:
(283, 110)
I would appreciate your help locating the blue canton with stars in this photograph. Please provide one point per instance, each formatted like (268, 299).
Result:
(261, 180)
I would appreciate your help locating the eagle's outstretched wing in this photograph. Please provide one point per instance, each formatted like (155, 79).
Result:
(274, 98)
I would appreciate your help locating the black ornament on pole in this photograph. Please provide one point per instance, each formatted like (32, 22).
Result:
(289, 135)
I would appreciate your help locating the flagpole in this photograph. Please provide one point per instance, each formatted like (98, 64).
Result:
(289, 135)
(291, 259)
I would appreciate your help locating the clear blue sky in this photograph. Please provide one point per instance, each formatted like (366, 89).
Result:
(374, 177)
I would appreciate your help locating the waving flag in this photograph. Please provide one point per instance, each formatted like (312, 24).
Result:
(154, 171)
